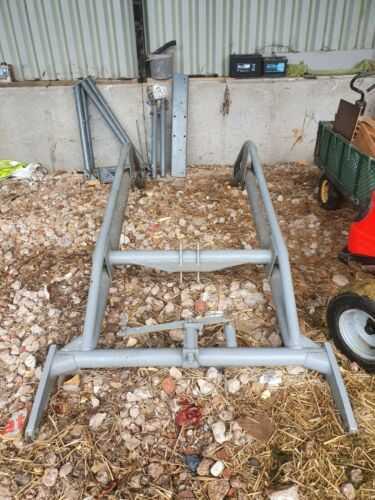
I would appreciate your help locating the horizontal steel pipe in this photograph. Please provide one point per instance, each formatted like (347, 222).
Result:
(221, 357)
(189, 260)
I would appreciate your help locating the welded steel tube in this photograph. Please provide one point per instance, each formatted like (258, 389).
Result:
(189, 260)
(116, 122)
(87, 129)
(82, 126)
(230, 335)
(69, 362)
(249, 150)
(103, 111)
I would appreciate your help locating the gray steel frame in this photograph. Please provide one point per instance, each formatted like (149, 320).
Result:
(85, 90)
(82, 352)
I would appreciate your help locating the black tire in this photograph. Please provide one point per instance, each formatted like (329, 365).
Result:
(328, 196)
(351, 324)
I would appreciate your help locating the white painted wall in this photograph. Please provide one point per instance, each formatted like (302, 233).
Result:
(281, 116)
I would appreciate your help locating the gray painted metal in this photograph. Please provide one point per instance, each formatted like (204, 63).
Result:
(208, 31)
(179, 124)
(163, 135)
(83, 90)
(190, 261)
(68, 39)
(82, 116)
(82, 352)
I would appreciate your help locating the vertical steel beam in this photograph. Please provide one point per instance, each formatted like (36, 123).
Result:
(108, 240)
(162, 136)
(82, 129)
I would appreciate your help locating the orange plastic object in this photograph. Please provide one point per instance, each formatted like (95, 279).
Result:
(361, 239)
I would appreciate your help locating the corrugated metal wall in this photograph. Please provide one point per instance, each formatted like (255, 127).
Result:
(207, 31)
(68, 39)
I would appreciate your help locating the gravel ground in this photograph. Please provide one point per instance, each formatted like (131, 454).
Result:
(114, 434)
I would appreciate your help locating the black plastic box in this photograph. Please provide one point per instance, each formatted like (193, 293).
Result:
(275, 66)
(246, 65)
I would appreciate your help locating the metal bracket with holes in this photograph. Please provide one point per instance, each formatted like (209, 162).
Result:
(179, 124)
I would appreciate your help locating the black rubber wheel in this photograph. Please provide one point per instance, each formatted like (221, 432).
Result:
(328, 196)
(351, 324)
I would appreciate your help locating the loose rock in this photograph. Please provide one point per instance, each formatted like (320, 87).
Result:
(233, 385)
(155, 470)
(340, 280)
(204, 467)
(217, 468)
(218, 429)
(49, 477)
(287, 494)
(97, 420)
(347, 489)
(217, 490)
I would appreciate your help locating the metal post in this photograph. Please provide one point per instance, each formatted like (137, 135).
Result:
(87, 129)
(82, 127)
(154, 119)
(162, 136)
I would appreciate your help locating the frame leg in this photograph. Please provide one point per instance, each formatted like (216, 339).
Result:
(339, 392)
(45, 387)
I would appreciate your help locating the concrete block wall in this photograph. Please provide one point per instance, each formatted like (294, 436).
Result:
(38, 123)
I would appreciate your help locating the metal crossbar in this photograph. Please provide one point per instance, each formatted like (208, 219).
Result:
(82, 352)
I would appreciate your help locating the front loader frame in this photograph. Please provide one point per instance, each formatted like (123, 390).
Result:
(82, 352)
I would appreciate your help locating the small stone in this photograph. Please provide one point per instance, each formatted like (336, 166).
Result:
(233, 385)
(155, 470)
(295, 370)
(274, 339)
(348, 491)
(72, 384)
(192, 462)
(169, 309)
(226, 415)
(97, 420)
(204, 467)
(169, 386)
(49, 477)
(218, 430)
(5, 493)
(30, 361)
(265, 394)
(176, 335)
(217, 468)
(271, 379)
(205, 387)
(212, 373)
(134, 412)
(200, 306)
(340, 280)
(131, 442)
(356, 477)
(66, 469)
(287, 494)
(244, 378)
(175, 373)
(131, 342)
(217, 490)
(94, 402)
